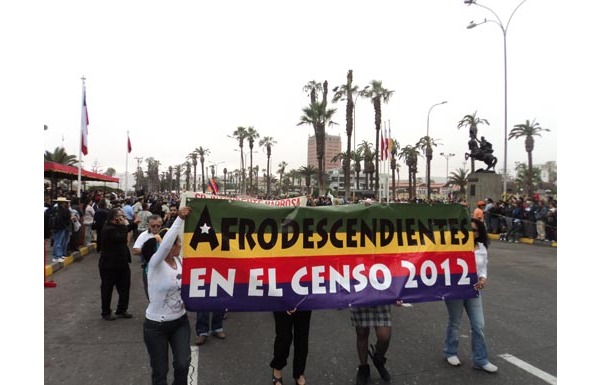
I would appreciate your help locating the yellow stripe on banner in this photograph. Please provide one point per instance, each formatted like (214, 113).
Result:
(316, 246)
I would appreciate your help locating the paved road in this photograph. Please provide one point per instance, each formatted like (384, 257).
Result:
(521, 321)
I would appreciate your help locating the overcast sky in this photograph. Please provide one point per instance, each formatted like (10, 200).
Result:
(187, 74)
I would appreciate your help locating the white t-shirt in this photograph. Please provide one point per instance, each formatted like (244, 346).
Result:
(164, 282)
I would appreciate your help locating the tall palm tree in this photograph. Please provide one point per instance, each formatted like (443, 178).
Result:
(425, 144)
(194, 157)
(188, 170)
(59, 155)
(411, 155)
(268, 143)
(318, 116)
(345, 157)
(357, 157)
(178, 176)
(528, 130)
(460, 178)
(377, 93)
(251, 135)
(307, 172)
(281, 171)
(202, 152)
(366, 150)
(240, 134)
(393, 166)
(524, 176)
(346, 92)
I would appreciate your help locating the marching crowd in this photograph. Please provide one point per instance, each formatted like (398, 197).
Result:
(148, 227)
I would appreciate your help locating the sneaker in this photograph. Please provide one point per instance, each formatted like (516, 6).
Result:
(220, 335)
(453, 360)
(60, 259)
(363, 375)
(124, 315)
(489, 367)
(201, 339)
(109, 317)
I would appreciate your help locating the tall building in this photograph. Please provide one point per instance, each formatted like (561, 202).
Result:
(333, 146)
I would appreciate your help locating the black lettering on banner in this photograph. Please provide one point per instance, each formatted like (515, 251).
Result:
(246, 223)
(307, 233)
(273, 234)
(289, 226)
(322, 232)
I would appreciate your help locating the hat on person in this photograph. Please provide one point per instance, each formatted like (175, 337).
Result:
(61, 200)
(481, 203)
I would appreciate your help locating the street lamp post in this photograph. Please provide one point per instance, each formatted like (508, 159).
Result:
(429, 151)
(447, 156)
(504, 30)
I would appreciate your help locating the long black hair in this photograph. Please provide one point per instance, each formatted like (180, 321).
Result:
(481, 235)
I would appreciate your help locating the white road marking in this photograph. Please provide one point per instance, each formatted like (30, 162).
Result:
(529, 368)
(193, 373)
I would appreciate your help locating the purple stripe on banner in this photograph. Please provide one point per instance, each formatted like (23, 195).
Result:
(369, 296)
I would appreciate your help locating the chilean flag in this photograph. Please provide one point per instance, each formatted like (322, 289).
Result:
(128, 144)
(213, 186)
(84, 125)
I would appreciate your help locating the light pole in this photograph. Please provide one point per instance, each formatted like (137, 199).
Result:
(504, 30)
(429, 151)
(447, 156)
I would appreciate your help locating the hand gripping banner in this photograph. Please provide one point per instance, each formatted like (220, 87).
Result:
(244, 256)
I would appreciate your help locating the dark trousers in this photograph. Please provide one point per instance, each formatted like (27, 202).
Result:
(157, 337)
(121, 278)
(288, 329)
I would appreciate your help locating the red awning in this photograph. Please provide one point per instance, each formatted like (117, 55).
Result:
(62, 171)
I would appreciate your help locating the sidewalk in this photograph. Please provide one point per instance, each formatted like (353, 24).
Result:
(52, 267)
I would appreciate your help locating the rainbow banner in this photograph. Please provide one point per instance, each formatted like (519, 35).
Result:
(244, 256)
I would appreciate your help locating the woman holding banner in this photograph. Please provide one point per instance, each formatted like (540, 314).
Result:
(290, 326)
(166, 320)
(474, 308)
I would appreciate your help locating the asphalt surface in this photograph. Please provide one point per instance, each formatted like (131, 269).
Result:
(520, 306)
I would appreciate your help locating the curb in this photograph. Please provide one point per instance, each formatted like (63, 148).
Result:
(75, 256)
(528, 241)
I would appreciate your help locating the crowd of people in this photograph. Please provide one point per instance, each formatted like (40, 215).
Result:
(148, 227)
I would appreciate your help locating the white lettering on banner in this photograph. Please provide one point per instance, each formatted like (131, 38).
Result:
(286, 202)
(378, 276)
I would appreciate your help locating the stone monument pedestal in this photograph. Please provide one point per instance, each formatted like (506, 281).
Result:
(482, 185)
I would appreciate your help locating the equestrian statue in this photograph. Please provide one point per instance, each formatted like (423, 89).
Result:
(481, 150)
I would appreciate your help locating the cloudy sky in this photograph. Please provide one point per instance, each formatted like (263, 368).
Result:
(187, 74)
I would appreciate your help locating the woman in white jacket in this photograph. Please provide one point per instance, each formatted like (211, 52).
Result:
(166, 320)
(474, 308)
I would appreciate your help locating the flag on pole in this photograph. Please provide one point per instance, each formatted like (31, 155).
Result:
(128, 144)
(84, 125)
(384, 150)
(390, 144)
(213, 186)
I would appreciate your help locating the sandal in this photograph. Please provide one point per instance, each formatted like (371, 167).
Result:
(277, 381)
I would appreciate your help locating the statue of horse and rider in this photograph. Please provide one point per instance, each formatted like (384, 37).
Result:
(482, 150)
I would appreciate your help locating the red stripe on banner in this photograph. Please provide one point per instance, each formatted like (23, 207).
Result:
(399, 265)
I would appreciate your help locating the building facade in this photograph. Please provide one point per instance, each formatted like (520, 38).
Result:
(333, 146)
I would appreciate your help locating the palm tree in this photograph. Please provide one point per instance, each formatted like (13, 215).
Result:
(345, 157)
(251, 135)
(346, 92)
(528, 130)
(393, 166)
(178, 177)
(318, 116)
(366, 151)
(240, 134)
(307, 172)
(411, 155)
(194, 157)
(525, 177)
(472, 121)
(188, 168)
(60, 156)
(425, 144)
(460, 178)
(268, 143)
(202, 152)
(357, 157)
(110, 171)
(281, 171)
(377, 94)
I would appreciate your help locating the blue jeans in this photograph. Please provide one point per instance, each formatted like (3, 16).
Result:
(204, 326)
(474, 308)
(157, 337)
(61, 237)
